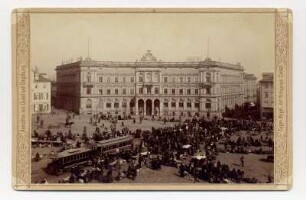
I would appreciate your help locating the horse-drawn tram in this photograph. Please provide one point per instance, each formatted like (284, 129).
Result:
(114, 145)
(67, 159)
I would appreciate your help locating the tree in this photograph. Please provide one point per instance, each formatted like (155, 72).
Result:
(48, 133)
(35, 135)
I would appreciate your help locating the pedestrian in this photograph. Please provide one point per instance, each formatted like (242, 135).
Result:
(242, 161)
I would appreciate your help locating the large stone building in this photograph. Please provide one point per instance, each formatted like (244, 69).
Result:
(249, 88)
(149, 87)
(40, 93)
(266, 96)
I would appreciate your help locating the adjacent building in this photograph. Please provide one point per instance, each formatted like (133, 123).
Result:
(266, 92)
(249, 88)
(40, 93)
(53, 93)
(149, 87)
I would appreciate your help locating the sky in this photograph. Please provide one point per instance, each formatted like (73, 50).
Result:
(247, 38)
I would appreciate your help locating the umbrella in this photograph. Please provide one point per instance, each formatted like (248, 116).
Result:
(187, 146)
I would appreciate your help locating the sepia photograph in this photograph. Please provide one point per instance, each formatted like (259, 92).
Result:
(157, 98)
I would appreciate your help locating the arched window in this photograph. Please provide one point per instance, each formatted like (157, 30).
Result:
(208, 77)
(116, 104)
(141, 77)
(124, 103)
(189, 103)
(166, 103)
(88, 103)
(208, 90)
(173, 103)
(149, 77)
(88, 78)
(181, 79)
(181, 103)
(156, 90)
(156, 77)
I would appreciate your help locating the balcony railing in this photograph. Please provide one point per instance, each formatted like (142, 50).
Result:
(88, 84)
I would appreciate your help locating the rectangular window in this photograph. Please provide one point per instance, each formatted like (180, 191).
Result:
(266, 94)
(197, 105)
(173, 104)
(116, 105)
(132, 91)
(188, 91)
(156, 91)
(196, 91)
(188, 79)
(140, 90)
(165, 79)
(208, 91)
(108, 105)
(100, 79)
(132, 79)
(181, 105)
(88, 91)
(173, 91)
(166, 104)
(124, 91)
(181, 91)
(116, 79)
(101, 91)
(165, 91)
(116, 91)
(188, 105)
(123, 79)
(47, 96)
(181, 79)
(108, 91)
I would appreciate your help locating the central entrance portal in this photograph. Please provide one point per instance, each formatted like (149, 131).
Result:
(140, 106)
(156, 107)
(149, 107)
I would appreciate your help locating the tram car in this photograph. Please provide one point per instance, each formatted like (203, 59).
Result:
(67, 159)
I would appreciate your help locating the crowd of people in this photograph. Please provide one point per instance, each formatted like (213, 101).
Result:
(191, 145)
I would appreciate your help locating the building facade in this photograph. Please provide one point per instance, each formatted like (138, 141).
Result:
(266, 90)
(149, 87)
(53, 93)
(40, 93)
(249, 88)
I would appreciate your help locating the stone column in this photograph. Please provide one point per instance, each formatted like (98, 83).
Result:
(161, 107)
(152, 107)
(145, 107)
(136, 107)
(128, 109)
